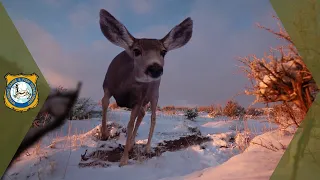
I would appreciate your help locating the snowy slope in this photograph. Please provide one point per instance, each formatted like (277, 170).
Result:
(59, 153)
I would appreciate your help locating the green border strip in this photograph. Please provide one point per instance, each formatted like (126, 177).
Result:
(301, 19)
(15, 59)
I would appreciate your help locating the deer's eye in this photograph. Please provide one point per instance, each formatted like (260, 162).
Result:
(163, 53)
(136, 52)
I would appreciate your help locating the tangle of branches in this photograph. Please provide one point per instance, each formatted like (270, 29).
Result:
(280, 75)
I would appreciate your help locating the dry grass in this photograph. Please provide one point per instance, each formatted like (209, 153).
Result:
(286, 115)
(246, 133)
(168, 108)
(38, 147)
(269, 145)
(206, 109)
(113, 105)
(170, 112)
(45, 165)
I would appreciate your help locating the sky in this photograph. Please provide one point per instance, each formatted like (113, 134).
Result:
(66, 42)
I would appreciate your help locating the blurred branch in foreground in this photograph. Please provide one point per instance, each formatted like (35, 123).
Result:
(57, 106)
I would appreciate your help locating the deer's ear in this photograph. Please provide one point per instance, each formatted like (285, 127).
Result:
(114, 30)
(179, 35)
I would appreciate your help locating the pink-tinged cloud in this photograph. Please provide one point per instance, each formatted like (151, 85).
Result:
(84, 15)
(57, 79)
(67, 68)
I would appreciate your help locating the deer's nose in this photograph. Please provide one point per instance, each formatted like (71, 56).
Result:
(154, 70)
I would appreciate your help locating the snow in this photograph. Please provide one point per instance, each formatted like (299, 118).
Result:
(291, 67)
(216, 159)
(266, 82)
(256, 163)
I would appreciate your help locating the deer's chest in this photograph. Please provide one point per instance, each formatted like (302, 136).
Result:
(133, 94)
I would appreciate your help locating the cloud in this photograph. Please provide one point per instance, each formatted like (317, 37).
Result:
(153, 32)
(83, 15)
(202, 72)
(67, 68)
(141, 6)
(47, 53)
(56, 79)
(56, 3)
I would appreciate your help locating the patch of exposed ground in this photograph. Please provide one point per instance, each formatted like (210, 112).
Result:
(104, 157)
(114, 129)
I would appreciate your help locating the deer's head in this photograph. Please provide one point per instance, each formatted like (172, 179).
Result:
(147, 54)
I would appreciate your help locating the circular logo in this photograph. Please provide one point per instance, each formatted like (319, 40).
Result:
(21, 92)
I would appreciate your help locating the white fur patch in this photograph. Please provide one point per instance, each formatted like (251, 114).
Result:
(154, 61)
(147, 79)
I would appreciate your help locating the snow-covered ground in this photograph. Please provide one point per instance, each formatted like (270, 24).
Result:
(257, 162)
(59, 154)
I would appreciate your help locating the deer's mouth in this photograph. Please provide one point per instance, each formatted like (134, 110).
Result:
(149, 74)
(154, 71)
(147, 79)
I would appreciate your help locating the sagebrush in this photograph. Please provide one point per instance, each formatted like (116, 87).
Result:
(280, 76)
(233, 109)
(191, 114)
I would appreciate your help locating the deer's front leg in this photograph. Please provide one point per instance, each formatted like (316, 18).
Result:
(153, 103)
(133, 116)
(140, 117)
(105, 105)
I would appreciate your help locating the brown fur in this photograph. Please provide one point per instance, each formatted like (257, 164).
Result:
(133, 77)
(121, 84)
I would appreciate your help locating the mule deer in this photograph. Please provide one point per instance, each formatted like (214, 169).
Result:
(133, 77)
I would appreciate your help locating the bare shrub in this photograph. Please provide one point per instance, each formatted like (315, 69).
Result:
(207, 109)
(83, 109)
(280, 76)
(168, 108)
(181, 108)
(243, 140)
(285, 115)
(216, 111)
(191, 114)
(170, 112)
(233, 109)
(254, 111)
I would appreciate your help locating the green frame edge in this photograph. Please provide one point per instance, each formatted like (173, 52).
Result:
(15, 58)
(301, 19)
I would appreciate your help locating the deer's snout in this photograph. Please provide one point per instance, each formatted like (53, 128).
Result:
(154, 70)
